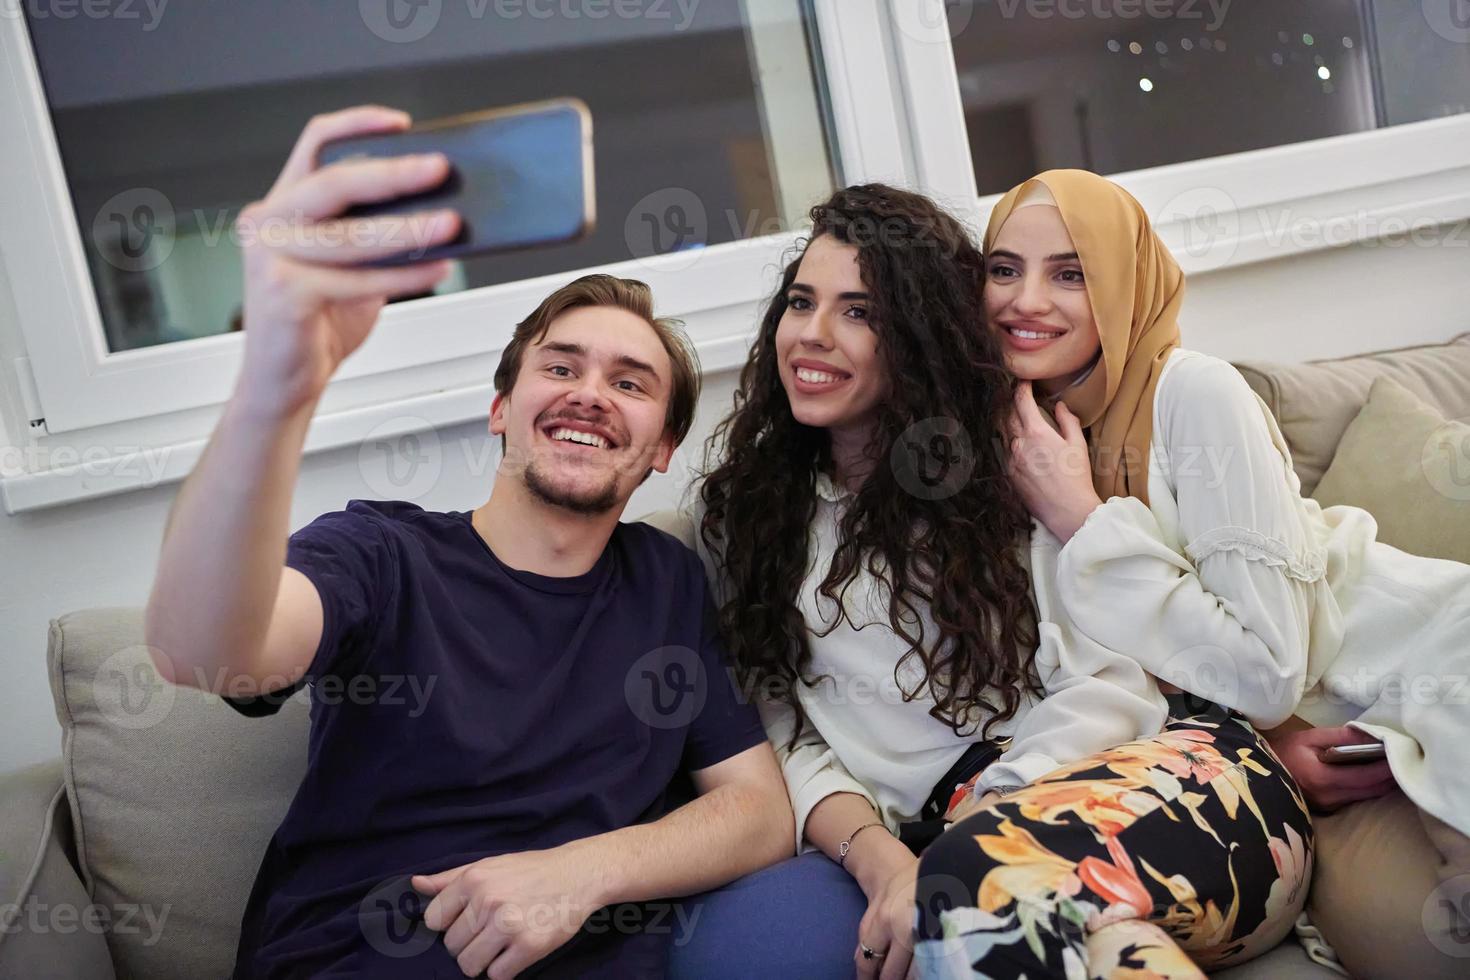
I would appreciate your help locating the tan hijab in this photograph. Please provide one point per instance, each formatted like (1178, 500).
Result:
(1136, 289)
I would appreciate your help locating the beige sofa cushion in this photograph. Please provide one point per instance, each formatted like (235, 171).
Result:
(173, 795)
(1316, 402)
(49, 929)
(1287, 961)
(1409, 467)
(1384, 854)
(674, 522)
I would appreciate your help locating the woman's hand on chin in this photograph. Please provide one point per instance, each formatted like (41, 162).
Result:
(1051, 469)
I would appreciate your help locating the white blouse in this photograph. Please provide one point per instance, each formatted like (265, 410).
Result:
(862, 737)
(1233, 586)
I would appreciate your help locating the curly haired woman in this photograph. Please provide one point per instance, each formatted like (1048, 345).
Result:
(874, 564)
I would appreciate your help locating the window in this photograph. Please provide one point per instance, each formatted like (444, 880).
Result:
(708, 128)
(1123, 85)
(718, 125)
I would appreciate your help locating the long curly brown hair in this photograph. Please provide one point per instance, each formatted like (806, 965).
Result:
(955, 548)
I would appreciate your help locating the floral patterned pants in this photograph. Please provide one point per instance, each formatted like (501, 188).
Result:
(1199, 830)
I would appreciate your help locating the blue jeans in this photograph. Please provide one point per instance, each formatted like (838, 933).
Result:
(795, 919)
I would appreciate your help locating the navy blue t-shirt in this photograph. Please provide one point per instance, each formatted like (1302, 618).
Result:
(463, 709)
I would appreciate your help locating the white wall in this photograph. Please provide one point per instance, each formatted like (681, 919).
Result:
(102, 552)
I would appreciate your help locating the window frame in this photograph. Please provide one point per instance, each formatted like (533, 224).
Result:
(82, 385)
(130, 419)
(1290, 200)
(895, 115)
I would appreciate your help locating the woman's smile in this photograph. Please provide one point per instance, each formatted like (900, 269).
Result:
(1026, 336)
(817, 378)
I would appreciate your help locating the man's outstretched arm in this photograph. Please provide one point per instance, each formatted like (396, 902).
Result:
(224, 612)
(506, 913)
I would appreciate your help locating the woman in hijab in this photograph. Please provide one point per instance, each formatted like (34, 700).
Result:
(1185, 544)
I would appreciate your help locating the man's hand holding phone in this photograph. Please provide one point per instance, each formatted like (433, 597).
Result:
(223, 606)
(306, 306)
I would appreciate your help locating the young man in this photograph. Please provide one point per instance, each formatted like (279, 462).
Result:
(511, 690)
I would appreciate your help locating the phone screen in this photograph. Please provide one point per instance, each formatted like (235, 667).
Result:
(520, 176)
(1347, 754)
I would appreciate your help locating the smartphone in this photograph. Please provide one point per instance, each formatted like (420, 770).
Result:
(1364, 752)
(519, 176)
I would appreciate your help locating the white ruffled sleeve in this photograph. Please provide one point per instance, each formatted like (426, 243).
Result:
(1095, 697)
(1229, 618)
(811, 768)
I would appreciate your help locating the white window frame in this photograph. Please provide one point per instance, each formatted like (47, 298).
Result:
(81, 385)
(1397, 185)
(897, 117)
(118, 421)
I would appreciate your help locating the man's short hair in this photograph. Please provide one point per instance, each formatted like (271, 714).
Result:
(624, 294)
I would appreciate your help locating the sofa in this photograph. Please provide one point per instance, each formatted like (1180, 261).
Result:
(132, 854)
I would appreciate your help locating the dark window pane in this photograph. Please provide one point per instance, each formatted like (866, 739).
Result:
(1119, 85)
(168, 125)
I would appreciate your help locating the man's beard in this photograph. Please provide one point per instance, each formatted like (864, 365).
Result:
(589, 503)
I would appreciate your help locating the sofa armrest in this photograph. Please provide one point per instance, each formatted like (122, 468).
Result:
(48, 928)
